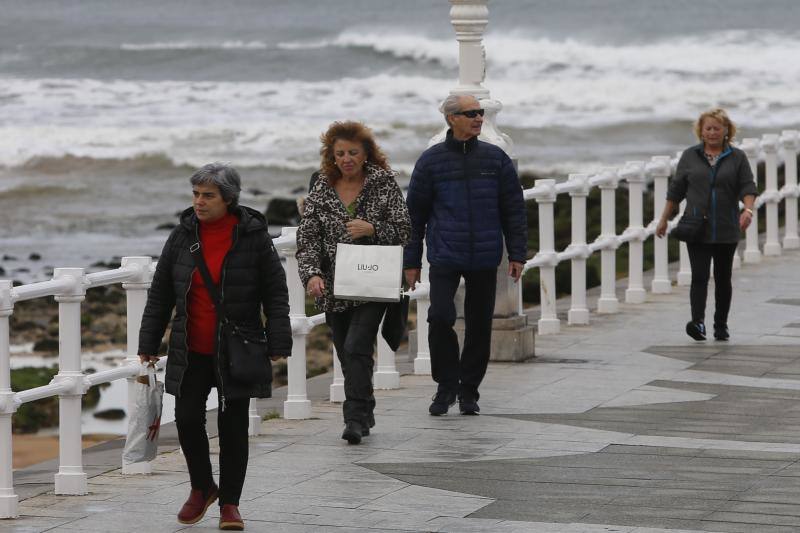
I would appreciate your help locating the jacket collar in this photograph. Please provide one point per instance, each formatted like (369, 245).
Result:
(698, 148)
(460, 146)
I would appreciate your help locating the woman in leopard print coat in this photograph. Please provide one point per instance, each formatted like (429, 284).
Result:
(355, 200)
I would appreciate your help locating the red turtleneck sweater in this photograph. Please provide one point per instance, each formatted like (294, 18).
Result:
(215, 240)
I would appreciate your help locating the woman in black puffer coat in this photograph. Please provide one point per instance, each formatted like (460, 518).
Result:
(244, 264)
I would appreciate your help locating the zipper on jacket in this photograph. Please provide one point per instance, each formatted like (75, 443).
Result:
(468, 179)
(714, 171)
(219, 324)
(186, 315)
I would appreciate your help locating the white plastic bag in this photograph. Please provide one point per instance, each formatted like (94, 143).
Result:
(370, 273)
(141, 445)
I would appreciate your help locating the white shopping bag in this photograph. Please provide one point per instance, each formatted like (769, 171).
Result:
(370, 273)
(144, 422)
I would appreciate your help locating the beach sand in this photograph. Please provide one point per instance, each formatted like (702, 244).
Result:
(33, 449)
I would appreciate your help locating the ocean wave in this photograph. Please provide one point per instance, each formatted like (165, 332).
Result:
(22, 192)
(194, 45)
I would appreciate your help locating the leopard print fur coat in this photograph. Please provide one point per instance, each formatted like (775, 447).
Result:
(380, 203)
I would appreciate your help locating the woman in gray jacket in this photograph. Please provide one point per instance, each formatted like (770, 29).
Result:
(713, 177)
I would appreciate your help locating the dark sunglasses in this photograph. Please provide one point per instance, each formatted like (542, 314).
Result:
(472, 113)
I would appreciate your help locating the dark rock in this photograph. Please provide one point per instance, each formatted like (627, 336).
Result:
(282, 212)
(9, 257)
(169, 226)
(110, 414)
(255, 192)
(23, 270)
(299, 190)
(46, 345)
(34, 256)
(2, 271)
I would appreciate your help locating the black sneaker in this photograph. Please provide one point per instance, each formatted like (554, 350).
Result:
(721, 332)
(352, 432)
(441, 403)
(468, 406)
(696, 330)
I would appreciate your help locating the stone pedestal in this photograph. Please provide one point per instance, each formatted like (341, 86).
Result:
(512, 338)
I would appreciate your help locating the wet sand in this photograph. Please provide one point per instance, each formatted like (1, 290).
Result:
(32, 449)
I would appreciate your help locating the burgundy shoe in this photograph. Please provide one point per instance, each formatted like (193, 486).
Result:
(229, 518)
(195, 507)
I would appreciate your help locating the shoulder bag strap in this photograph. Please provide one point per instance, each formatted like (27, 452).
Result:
(213, 290)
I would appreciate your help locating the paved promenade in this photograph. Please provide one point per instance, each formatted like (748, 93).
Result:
(625, 425)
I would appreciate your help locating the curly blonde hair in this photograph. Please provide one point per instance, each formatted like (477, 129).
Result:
(720, 115)
(348, 131)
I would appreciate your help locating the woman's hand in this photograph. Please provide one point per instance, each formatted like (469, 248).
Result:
(745, 219)
(148, 358)
(358, 228)
(661, 229)
(315, 287)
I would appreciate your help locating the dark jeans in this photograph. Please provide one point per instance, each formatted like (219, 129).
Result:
(700, 257)
(232, 423)
(453, 374)
(354, 332)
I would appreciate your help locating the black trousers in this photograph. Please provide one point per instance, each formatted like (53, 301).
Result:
(354, 332)
(232, 423)
(454, 374)
(700, 257)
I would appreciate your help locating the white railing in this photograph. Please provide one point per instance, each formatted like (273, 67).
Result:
(69, 286)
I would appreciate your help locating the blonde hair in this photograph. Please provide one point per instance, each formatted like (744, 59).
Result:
(348, 131)
(720, 115)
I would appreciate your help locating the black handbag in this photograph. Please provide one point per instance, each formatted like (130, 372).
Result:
(243, 348)
(690, 228)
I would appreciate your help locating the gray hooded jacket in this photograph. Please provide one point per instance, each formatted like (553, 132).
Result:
(732, 179)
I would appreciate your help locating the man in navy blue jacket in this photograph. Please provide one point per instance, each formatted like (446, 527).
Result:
(464, 198)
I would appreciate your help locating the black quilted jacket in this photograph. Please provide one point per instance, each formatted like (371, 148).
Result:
(253, 281)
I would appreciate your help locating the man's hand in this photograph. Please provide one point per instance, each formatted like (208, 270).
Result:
(148, 358)
(745, 219)
(515, 270)
(661, 228)
(412, 276)
(277, 357)
(358, 228)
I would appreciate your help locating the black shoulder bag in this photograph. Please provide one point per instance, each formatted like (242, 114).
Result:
(244, 348)
(691, 227)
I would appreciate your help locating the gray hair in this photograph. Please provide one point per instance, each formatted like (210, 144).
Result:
(450, 105)
(225, 177)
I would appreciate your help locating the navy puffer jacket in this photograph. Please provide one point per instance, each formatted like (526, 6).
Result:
(463, 198)
(253, 281)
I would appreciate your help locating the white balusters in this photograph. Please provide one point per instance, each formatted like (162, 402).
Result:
(608, 302)
(752, 254)
(297, 406)
(8, 499)
(660, 170)
(337, 387)
(549, 322)
(386, 375)
(790, 139)
(634, 174)
(769, 143)
(578, 310)
(70, 479)
(422, 362)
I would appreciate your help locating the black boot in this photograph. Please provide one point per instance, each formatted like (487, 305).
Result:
(352, 432)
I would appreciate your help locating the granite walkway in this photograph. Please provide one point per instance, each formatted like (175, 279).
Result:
(625, 425)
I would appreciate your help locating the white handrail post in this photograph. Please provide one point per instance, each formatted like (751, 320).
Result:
(635, 176)
(660, 170)
(791, 144)
(8, 499)
(548, 323)
(422, 362)
(608, 302)
(135, 299)
(386, 375)
(253, 419)
(337, 387)
(684, 267)
(769, 142)
(297, 406)
(70, 479)
(752, 254)
(578, 310)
